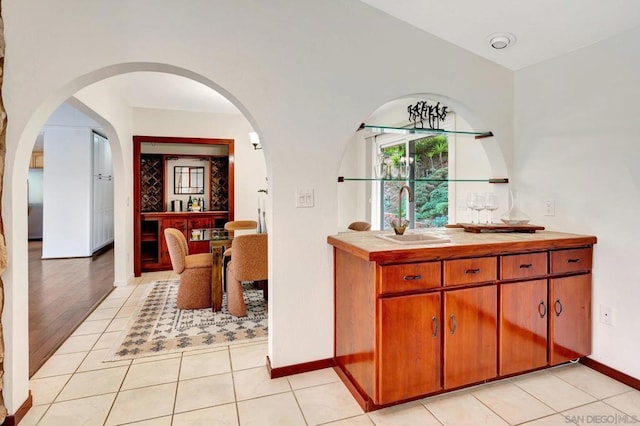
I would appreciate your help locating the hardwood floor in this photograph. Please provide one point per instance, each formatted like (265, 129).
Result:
(62, 293)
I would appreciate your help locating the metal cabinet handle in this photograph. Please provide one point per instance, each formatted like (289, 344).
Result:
(573, 260)
(454, 324)
(412, 277)
(472, 271)
(434, 321)
(542, 309)
(555, 307)
(526, 266)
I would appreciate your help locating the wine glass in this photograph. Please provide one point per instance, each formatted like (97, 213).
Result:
(470, 197)
(490, 204)
(477, 204)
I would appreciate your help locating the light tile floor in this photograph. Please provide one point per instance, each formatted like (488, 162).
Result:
(231, 386)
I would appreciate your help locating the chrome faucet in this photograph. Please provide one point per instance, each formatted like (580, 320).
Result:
(399, 224)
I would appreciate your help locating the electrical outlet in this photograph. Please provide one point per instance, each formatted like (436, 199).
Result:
(550, 207)
(606, 314)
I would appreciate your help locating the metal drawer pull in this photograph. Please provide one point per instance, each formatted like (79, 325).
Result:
(412, 277)
(526, 266)
(472, 271)
(543, 311)
(454, 324)
(555, 307)
(434, 320)
(573, 260)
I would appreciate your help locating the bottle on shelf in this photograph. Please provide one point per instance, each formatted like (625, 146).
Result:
(190, 204)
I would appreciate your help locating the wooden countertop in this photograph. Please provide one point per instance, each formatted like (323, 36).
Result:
(368, 246)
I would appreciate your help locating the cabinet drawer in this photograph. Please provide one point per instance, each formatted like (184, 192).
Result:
(470, 271)
(410, 276)
(572, 260)
(523, 265)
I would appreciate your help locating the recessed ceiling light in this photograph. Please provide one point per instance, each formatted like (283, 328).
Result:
(500, 41)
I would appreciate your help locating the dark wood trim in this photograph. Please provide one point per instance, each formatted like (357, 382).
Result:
(14, 419)
(611, 372)
(305, 367)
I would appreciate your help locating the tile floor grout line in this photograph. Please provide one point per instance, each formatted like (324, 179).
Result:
(491, 409)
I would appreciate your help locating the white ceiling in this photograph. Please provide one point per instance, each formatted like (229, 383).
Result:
(543, 29)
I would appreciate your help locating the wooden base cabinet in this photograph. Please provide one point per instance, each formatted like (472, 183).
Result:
(470, 335)
(409, 325)
(569, 318)
(419, 322)
(523, 326)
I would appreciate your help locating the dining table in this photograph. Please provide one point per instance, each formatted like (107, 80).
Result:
(219, 239)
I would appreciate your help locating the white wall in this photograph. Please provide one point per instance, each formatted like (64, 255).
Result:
(577, 143)
(297, 70)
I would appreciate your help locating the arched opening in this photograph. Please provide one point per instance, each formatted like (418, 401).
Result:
(88, 93)
(441, 169)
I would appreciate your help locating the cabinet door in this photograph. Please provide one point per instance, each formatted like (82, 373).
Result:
(180, 224)
(523, 326)
(409, 347)
(470, 335)
(570, 318)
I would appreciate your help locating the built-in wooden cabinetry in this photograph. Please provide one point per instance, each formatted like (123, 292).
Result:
(152, 205)
(414, 322)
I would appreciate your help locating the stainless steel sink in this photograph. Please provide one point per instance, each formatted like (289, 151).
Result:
(414, 238)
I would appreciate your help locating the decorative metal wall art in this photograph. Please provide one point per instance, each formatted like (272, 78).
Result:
(432, 114)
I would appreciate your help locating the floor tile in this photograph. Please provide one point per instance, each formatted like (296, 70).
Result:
(103, 314)
(204, 392)
(95, 360)
(256, 382)
(326, 403)
(112, 302)
(34, 415)
(590, 381)
(274, 410)
(511, 403)
(126, 312)
(44, 391)
(141, 404)
(158, 421)
(628, 403)
(152, 373)
(596, 412)
(85, 411)
(447, 409)
(154, 358)
(82, 343)
(91, 327)
(108, 340)
(60, 364)
(205, 364)
(412, 413)
(362, 420)
(554, 420)
(248, 356)
(553, 391)
(313, 378)
(222, 415)
(118, 324)
(93, 383)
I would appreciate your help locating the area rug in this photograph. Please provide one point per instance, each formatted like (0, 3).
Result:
(160, 327)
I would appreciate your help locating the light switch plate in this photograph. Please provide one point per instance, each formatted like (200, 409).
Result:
(304, 198)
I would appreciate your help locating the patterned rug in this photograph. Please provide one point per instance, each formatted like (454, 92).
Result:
(160, 327)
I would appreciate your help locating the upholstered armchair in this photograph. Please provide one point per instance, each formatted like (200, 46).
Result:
(233, 226)
(249, 263)
(194, 290)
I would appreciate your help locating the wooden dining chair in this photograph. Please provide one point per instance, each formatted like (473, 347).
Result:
(235, 225)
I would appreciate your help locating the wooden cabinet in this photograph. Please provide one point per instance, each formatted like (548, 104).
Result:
(470, 335)
(409, 323)
(569, 318)
(154, 191)
(523, 326)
